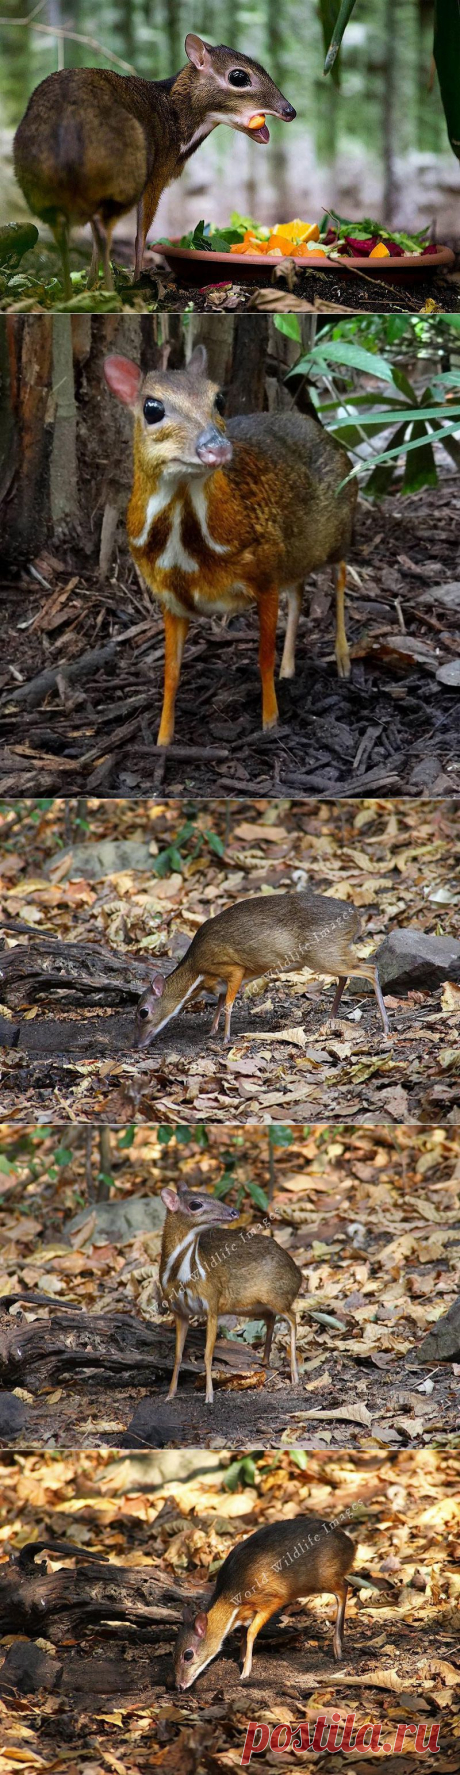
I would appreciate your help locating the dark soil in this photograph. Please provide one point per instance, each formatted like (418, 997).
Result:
(102, 1378)
(393, 727)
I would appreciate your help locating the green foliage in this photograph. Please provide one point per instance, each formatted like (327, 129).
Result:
(171, 859)
(183, 1134)
(288, 323)
(339, 22)
(241, 1472)
(280, 1135)
(417, 421)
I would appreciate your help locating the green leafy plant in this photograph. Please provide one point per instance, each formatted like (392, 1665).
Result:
(417, 421)
(171, 858)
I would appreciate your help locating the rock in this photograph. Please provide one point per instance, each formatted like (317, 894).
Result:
(91, 862)
(442, 1342)
(450, 673)
(156, 1423)
(411, 960)
(9, 1033)
(27, 1669)
(13, 1416)
(120, 1220)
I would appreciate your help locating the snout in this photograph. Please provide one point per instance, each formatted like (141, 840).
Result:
(213, 447)
(287, 112)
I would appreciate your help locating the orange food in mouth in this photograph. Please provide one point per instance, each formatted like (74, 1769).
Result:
(257, 121)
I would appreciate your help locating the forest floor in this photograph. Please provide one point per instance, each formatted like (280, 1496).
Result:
(75, 1038)
(370, 1216)
(391, 728)
(35, 288)
(103, 1676)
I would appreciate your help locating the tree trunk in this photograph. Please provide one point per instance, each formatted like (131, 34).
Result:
(247, 392)
(25, 507)
(63, 471)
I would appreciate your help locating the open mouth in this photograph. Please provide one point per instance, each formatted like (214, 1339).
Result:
(257, 128)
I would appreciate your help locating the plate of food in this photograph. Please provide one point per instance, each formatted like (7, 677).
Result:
(248, 248)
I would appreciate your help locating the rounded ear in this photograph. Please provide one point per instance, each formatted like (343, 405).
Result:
(170, 1199)
(200, 1625)
(198, 362)
(157, 985)
(124, 378)
(198, 52)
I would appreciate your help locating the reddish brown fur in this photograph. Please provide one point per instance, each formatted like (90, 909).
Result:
(248, 517)
(267, 1571)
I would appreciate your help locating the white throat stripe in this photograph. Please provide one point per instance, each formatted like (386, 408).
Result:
(197, 494)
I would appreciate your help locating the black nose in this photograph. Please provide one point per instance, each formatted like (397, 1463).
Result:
(288, 112)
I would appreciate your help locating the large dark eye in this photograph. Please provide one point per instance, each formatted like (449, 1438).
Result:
(153, 410)
(143, 1012)
(238, 77)
(219, 402)
(187, 1656)
(194, 1207)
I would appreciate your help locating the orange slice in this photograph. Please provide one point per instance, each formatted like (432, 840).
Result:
(380, 251)
(257, 121)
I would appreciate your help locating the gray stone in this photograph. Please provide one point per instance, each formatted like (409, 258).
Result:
(14, 1416)
(91, 862)
(120, 1220)
(448, 595)
(411, 960)
(450, 673)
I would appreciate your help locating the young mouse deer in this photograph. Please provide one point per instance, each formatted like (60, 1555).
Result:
(93, 143)
(300, 1557)
(223, 517)
(209, 1272)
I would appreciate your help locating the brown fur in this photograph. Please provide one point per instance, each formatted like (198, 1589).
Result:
(267, 1571)
(273, 512)
(271, 933)
(208, 1272)
(93, 143)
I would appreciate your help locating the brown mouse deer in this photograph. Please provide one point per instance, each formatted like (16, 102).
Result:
(267, 1571)
(268, 934)
(93, 144)
(225, 517)
(208, 1272)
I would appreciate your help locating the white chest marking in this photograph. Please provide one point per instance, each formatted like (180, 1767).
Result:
(184, 1248)
(199, 135)
(174, 554)
(197, 494)
(155, 505)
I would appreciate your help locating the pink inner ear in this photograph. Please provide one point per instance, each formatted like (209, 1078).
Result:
(157, 985)
(171, 1201)
(201, 1622)
(124, 378)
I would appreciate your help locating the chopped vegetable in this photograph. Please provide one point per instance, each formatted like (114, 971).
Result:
(380, 251)
(334, 238)
(257, 121)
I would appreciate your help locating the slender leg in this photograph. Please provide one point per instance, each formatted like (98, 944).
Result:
(140, 243)
(61, 235)
(340, 988)
(341, 644)
(341, 1600)
(211, 1334)
(380, 1000)
(294, 1368)
(233, 986)
(102, 237)
(181, 1333)
(217, 1015)
(259, 1620)
(287, 669)
(93, 274)
(175, 632)
(270, 1326)
(268, 617)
